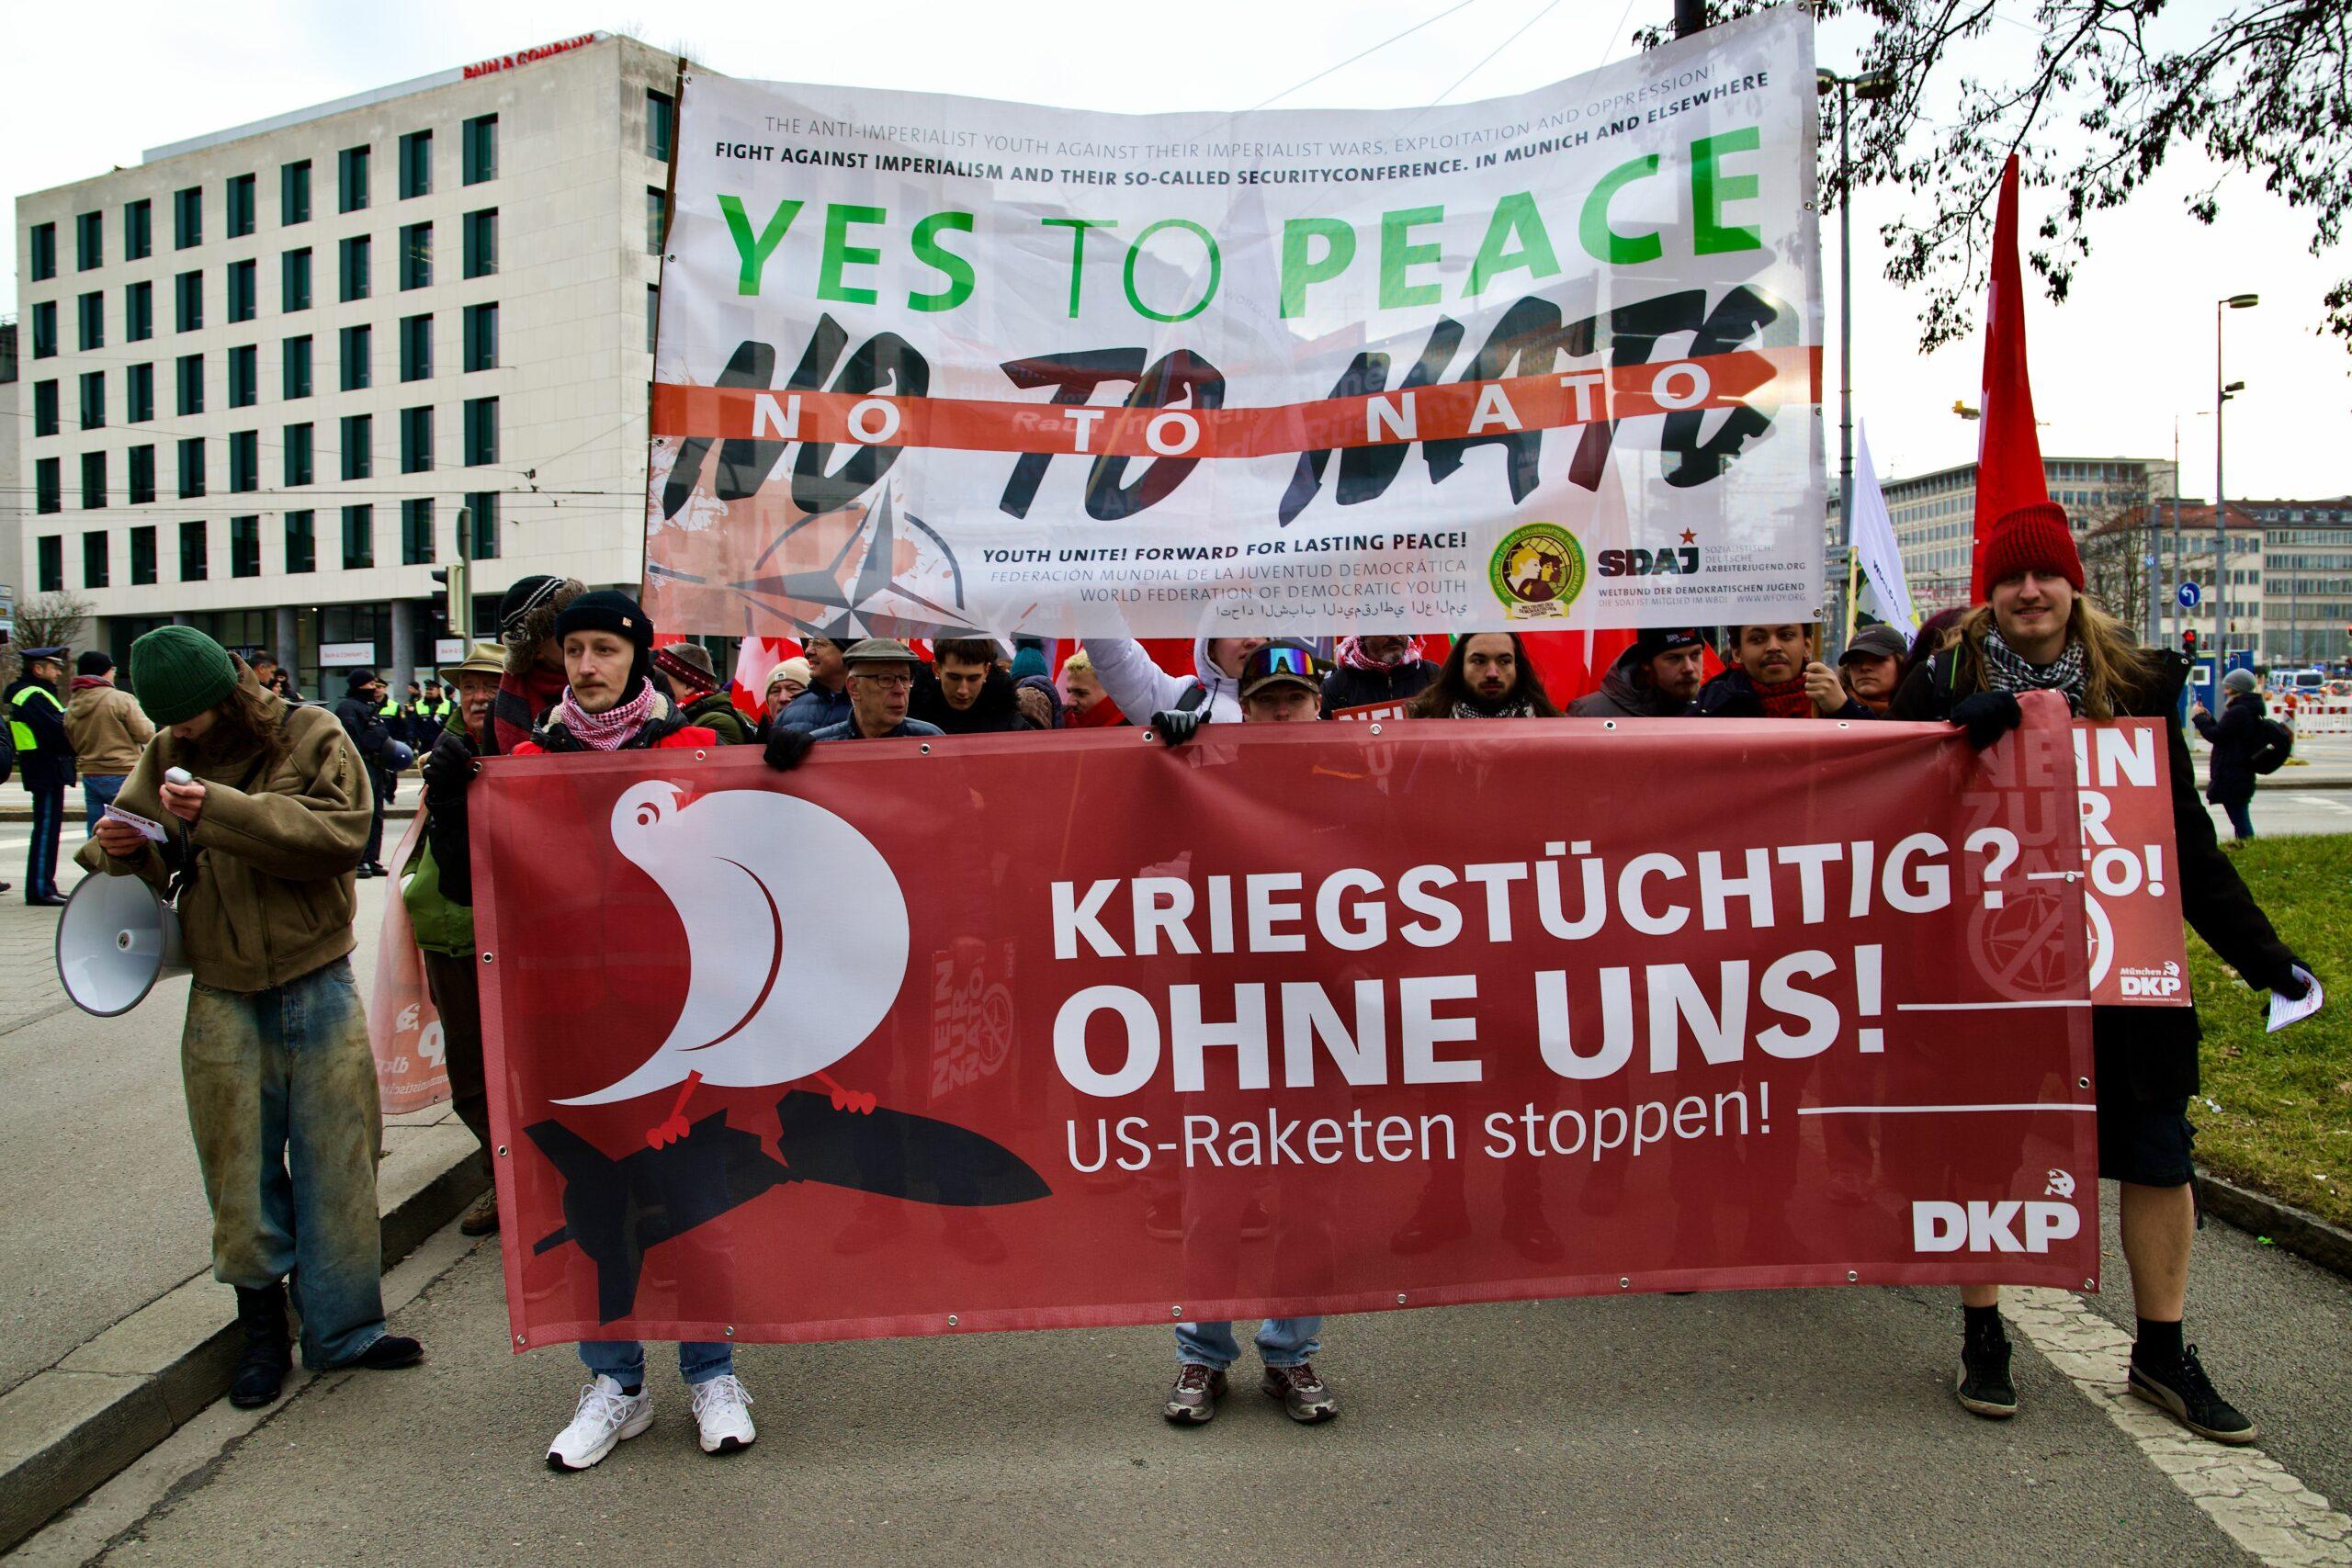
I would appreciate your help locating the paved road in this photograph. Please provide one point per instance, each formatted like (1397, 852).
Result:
(1757, 1427)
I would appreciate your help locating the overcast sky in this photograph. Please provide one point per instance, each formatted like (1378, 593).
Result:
(2113, 368)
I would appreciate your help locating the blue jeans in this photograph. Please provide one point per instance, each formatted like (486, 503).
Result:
(1281, 1342)
(622, 1360)
(97, 793)
(2240, 814)
(281, 1098)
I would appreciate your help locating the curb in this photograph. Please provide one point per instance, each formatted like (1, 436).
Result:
(2303, 1234)
(68, 1430)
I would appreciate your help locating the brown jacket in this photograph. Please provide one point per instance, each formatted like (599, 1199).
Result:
(272, 895)
(108, 730)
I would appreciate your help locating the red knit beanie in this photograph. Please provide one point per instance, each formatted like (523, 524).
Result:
(2032, 537)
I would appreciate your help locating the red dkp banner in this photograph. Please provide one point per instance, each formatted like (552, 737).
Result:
(1018, 1033)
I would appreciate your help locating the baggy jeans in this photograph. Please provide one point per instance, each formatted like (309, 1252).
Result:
(1281, 1342)
(281, 1098)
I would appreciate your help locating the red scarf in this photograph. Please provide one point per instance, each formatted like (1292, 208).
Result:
(90, 682)
(1782, 699)
(1351, 655)
(1101, 715)
(520, 701)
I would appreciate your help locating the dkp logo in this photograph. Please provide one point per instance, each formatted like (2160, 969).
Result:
(1941, 1226)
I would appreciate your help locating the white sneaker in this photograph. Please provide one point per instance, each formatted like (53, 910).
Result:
(723, 1410)
(606, 1416)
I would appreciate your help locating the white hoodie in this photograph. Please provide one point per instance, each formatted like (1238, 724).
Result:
(1142, 688)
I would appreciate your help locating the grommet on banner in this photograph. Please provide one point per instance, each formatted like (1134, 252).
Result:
(501, 1151)
(2082, 1083)
(1843, 725)
(485, 958)
(925, 748)
(1624, 1284)
(2090, 1285)
(1176, 1312)
(700, 754)
(951, 1320)
(1608, 724)
(1400, 1298)
(1376, 728)
(730, 1331)
(521, 1340)
(1853, 1277)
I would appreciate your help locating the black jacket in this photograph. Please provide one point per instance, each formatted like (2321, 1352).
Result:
(997, 707)
(365, 724)
(1620, 695)
(50, 764)
(2233, 737)
(2150, 1053)
(1347, 688)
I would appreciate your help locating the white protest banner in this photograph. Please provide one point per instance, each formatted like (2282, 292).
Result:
(1882, 555)
(1550, 361)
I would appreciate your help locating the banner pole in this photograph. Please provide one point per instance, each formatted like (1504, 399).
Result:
(1853, 582)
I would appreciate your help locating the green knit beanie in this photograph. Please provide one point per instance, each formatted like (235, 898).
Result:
(178, 673)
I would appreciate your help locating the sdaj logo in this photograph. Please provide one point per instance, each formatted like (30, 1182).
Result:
(1537, 571)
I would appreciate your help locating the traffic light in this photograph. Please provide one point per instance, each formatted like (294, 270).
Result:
(456, 580)
(2188, 641)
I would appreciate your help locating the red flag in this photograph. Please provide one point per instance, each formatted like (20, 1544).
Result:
(2009, 452)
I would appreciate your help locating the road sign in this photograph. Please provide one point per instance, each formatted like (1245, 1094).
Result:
(2189, 595)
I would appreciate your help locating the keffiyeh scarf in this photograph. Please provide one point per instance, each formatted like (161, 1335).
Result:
(1351, 655)
(2005, 670)
(613, 729)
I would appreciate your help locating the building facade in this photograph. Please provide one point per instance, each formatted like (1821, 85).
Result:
(2288, 594)
(265, 373)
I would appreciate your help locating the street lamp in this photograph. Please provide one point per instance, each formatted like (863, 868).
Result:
(1867, 85)
(2220, 498)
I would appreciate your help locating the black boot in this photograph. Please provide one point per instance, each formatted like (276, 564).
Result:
(260, 1318)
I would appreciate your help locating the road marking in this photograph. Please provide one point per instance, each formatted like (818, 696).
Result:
(1901, 1110)
(2323, 800)
(2257, 1502)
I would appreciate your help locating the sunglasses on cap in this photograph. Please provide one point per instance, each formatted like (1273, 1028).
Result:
(1279, 662)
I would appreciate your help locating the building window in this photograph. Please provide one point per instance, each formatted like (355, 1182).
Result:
(298, 455)
(655, 205)
(481, 243)
(294, 192)
(244, 462)
(138, 230)
(93, 400)
(244, 292)
(416, 440)
(138, 313)
(353, 255)
(187, 297)
(45, 330)
(245, 376)
(139, 394)
(416, 164)
(53, 563)
(94, 481)
(239, 200)
(358, 446)
(417, 347)
(358, 355)
(660, 123)
(358, 537)
(193, 563)
(142, 555)
(294, 367)
(49, 485)
(351, 179)
(416, 531)
(481, 519)
(652, 317)
(482, 150)
(294, 280)
(94, 559)
(142, 464)
(244, 546)
(192, 385)
(302, 541)
(44, 408)
(42, 256)
(89, 241)
(187, 218)
(191, 467)
(482, 431)
(416, 256)
(482, 336)
(90, 312)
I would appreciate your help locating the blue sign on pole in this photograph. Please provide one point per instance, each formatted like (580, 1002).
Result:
(2189, 595)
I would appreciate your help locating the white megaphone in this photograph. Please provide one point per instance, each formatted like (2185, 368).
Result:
(115, 940)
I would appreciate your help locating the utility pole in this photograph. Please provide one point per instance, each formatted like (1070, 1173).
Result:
(2220, 498)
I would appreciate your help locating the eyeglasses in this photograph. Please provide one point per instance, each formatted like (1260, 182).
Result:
(1275, 658)
(897, 682)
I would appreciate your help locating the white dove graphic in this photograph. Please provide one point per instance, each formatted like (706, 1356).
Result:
(796, 934)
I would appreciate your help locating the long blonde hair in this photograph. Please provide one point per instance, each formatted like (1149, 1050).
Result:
(2118, 672)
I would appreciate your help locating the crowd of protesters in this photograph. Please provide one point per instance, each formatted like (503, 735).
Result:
(285, 810)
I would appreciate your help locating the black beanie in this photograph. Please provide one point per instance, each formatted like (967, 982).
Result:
(94, 662)
(610, 610)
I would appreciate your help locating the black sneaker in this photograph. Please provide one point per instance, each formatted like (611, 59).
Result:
(1305, 1396)
(390, 1352)
(1984, 1385)
(2185, 1392)
(1192, 1401)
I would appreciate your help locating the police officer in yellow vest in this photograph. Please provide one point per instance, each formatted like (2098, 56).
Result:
(45, 760)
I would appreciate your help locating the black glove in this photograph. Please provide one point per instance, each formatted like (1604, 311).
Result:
(787, 748)
(1987, 716)
(449, 768)
(1176, 726)
(2288, 983)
